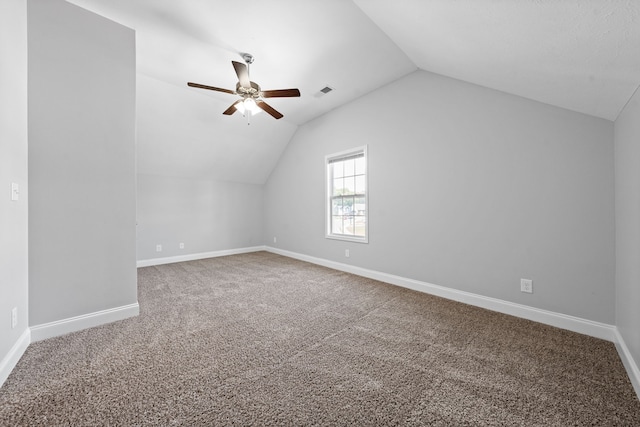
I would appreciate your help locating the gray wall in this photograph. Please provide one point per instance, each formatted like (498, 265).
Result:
(205, 215)
(13, 168)
(627, 185)
(470, 188)
(210, 208)
(81, 162)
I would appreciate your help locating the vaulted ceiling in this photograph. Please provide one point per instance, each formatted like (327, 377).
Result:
(582, 55)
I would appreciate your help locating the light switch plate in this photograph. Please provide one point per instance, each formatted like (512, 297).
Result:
(15, 191)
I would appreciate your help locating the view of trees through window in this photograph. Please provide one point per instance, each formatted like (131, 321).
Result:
(347, 177)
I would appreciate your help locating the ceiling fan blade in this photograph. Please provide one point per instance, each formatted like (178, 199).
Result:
(243, 74)
(280, 93)
(269, 109)
(211, 88)
(232, 109)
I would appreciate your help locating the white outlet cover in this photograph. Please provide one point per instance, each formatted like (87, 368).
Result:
(526, 285)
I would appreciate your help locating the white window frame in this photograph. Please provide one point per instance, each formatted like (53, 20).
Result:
(329, 190)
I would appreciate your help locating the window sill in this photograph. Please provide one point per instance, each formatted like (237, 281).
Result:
(348, 238)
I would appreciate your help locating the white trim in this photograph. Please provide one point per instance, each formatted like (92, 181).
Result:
(11, 359)
(84, 321)
(347, 238)
(628, 362)
(564, 321)
(194, 257)
(584, 326)
(328, 190)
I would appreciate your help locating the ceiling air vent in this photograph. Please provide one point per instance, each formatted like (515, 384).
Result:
(322, 92)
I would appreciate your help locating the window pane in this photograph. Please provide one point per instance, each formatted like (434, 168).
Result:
(347, 225)
(360, 226)
(336, 206)
(360, 166)
(360, 184)
(349, 185)
(336, 224)
(359, 206)
(338, 169)
(347, 205)
(338, 187)
(349, 167)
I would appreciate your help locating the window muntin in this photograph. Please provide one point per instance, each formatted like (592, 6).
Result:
(347, 195)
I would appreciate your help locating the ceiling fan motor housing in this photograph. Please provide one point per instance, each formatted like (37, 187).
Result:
(249, 92)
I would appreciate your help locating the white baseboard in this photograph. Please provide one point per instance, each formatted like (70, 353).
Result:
(564, 321)
(11, 359)
(77, 323)
(628, 362)
(194, 257)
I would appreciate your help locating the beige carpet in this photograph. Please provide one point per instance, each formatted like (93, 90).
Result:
(259, 339)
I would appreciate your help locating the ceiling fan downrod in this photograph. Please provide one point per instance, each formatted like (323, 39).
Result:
(248, 58)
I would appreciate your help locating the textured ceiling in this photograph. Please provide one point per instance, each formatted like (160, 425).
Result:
(307, 44)
(582, 55)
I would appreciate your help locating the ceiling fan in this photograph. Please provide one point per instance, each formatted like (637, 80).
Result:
(250, 92)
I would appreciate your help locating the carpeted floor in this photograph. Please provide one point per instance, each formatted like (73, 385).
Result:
(260, 339)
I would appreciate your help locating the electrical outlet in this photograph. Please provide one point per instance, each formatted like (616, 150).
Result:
(346, 253)
(526, 285)
(158, 248)
(275, 240)
(14, 317)
(181, 245)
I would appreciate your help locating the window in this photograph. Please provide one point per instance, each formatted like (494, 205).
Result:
(347, 195)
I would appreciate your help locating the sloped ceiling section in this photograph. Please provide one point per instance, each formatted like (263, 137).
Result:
(179, 134)
(583, 55)
(296, 44)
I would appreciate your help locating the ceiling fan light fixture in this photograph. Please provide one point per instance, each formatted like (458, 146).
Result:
(251, 96)
(249, 104)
